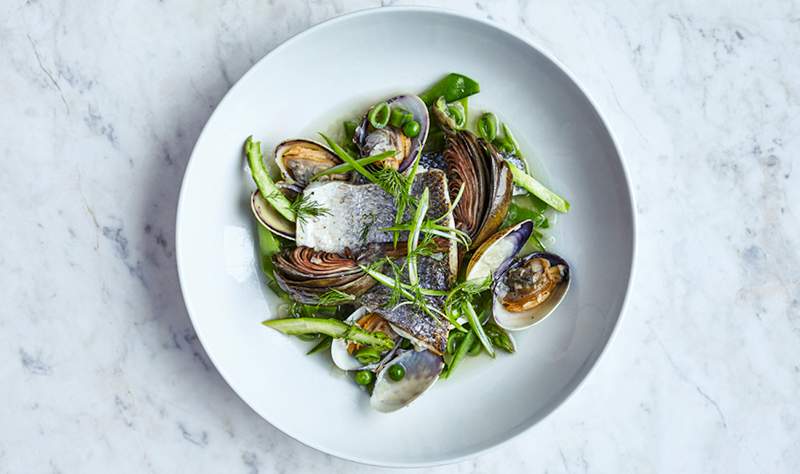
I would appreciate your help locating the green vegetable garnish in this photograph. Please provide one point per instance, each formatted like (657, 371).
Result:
(397, 372)
(476, 327)
(487, 127)
(379, 115)
(476, 349)
(349, 129)
(344, 156)
(323, 344)
(265, 184)
(411, 129)
(368, 355)
(330, 327)
(499, 337)
(457, 113)
(363, 377)
(268, 245)
(345, 167)
(413, 237)
(399, 117)
(304, 207)
(528, 183)
(461, 349)
(521, 208)
(452, 87)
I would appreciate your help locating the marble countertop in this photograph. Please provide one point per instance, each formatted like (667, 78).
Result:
(101, 371)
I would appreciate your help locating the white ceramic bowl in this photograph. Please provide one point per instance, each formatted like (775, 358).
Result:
(308, 84)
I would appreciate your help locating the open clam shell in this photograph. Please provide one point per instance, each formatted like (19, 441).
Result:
(300, 159)
(371, 141)
(422, 370)
(529, 290)
(495, 254)
(267, 216)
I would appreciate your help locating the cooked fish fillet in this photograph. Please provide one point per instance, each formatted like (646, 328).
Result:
(358, 212)
(434, 273)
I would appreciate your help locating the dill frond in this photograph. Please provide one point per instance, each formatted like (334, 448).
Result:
(304, 208)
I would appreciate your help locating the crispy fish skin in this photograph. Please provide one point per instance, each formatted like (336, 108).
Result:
(434, 273)
(358, 212)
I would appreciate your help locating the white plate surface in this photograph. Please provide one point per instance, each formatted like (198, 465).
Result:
(312, 81)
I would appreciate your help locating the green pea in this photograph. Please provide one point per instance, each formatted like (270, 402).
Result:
(399, 117)
(379, 115)
(363, 377)
(397, 372)
(368, 355)
(406, 344)
(411, 129)
(456, 112)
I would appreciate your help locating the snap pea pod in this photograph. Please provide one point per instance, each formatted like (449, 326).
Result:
(265, 184)
(452, 87)
(499, 337)
(476, 327)
(330, 327)
(461, 351)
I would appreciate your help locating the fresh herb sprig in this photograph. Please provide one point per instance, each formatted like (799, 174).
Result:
(304, 208)
(334, 297)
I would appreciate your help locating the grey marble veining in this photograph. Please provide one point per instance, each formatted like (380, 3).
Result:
(101, 102)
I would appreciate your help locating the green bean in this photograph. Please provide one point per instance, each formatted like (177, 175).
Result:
(487, 127)
(453, 87)
(411, 129)
(363, 377)
(379, 115)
